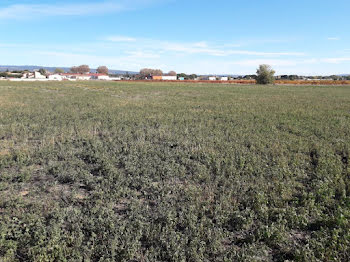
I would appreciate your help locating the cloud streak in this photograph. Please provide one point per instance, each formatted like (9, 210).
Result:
(203, 57)
(28, 11)
(121, 39)
(336, 60)
(195, 48)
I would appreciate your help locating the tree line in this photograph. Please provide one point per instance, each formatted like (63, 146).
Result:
(264, 75)
(155, 72)
(84, 69)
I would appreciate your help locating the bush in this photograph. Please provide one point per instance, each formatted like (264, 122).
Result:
(265, 75)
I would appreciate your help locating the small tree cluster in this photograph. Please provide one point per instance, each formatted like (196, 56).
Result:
(151, 72)
(82, 69)
(250, 77)
(42, 71)
(187, 77)
(172, 73)
(59, 71)
(290, 77)
(102, 70)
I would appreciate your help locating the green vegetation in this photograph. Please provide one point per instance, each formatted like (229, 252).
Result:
(42, 71)
(265, 75)
(59, 71)
(97, 171)
(187, 77)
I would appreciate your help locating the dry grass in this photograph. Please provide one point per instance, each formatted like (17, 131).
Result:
(144, 171)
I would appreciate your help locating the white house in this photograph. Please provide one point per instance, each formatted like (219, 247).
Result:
(100, 77)
(118, 78)
(73, 76)
(224, 78)
(27, 75)
(55, 77)
(169, 78)
(37, 75)
(212, 78)
(82, 77)
(106, 77)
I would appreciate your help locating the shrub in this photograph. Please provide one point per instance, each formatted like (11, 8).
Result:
(265, 75)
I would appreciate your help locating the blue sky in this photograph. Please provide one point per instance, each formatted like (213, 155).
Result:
(193, 36)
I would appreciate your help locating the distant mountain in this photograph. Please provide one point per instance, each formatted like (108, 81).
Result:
(4, 68)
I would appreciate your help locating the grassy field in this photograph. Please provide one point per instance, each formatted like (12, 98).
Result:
(97, 171)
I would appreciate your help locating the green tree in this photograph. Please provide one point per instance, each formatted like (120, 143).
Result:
(266, 75)
(59, 71)
(249, 77)
(335, 77)
(42, 71)
(293, 77)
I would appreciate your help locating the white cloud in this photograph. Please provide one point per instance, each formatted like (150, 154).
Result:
(232, 45)
(202, 47)
(28, 11)
(141, 54)
(276, 62)
(189, 48)
(240, 52)
(37, 10)
(120, 39)
(202, 44)
(134, 59)
(68, 59)
(272, 62)
(202, 57)
(336, 60)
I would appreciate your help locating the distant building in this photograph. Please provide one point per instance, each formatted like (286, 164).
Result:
(34, 75)
(212, 78)
(118, 78)
(169, 78)
(28, 75)
(37, 75)
(166, 78)
(74, 76)
(181, 78)
(55, 77)
(99, 77)
(157, 78)
(224, 78)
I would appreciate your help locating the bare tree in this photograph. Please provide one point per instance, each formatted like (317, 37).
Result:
(82, 69)
(144, 72)
(172, 73)
(151, 72)
(102, 70)
(157, 72)
(74, 69)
